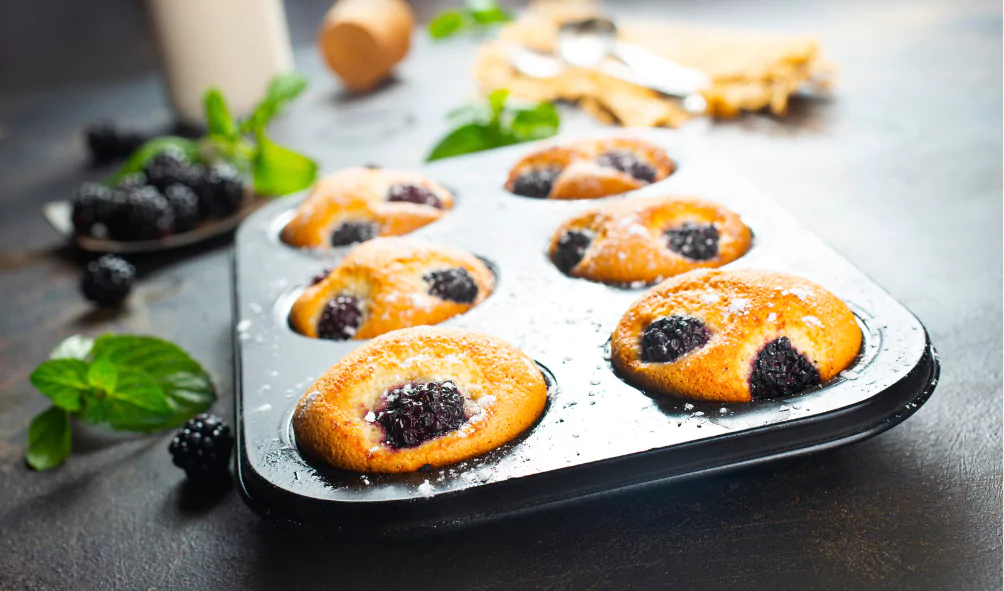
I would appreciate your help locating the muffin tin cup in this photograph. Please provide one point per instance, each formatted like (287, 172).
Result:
(599, 433)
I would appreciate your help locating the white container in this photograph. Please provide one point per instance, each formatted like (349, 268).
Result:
(234, 45)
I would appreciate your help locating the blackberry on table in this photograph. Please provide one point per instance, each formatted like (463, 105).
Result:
(625, 161)
(185, 205)
(132, 181)
(536, 182)
(668, 339)
(202, 448)
(340, 319)
(416, 413)
(414, 194)
(108, 143)
(144, 214)
(455, 284)
(351, 232)
(92, 204)
(571, 248)
(108, 280)
(697, 242)
(780, 370)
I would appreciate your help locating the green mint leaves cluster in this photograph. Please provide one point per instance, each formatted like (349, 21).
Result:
(274, 169)
(123, 382)
(500, 121)
(474, 16)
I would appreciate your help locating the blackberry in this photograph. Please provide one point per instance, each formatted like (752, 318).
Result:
(627, 162)
(341, 319)
(108, 280)
(780, 370)
(536, 183)
(144, 214)
(415, 413)
(132, 181)
(672, 337)
(320, 276)
(697, 242)
(185, 205)
(202, 449)
(107, 143)
(571, 248)
(414, 194)
(92, 204)
(220, 190)
(455, 285)
(350, 232)
(167, 168)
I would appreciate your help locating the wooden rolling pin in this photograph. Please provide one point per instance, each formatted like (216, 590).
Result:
(362, 40)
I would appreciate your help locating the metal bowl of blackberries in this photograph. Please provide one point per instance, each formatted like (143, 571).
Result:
(171, 202)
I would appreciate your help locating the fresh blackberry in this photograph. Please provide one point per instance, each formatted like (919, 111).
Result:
(144, 214)
(107, 144)
(672, 337)
(92, 204)
(132, 181)
(351, 232)
(341, 319)
(418, 412)
(571, 248)
(185, 205)
(414, 194)
(625, 161)
(202, 449)
(697, 242)
(536, 182)
(107, 280)
(220, 190)
(320, 276)
(455, 285)
(167, 168)
(780, 370)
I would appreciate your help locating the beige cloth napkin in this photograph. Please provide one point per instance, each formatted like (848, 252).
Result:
(750, 71)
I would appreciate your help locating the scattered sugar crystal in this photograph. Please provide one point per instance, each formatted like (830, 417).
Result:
(723, 410)
(688, 406)
(255, 308)
(771, 317)
(370, 417)
(738, 305)
(365, 480)
(425, 489)
(243, 325)
(264, 408)
(709, 298)
(699, 413)
(812, 321)
(374, 449)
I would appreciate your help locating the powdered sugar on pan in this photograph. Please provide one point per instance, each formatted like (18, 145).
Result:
(425, 489)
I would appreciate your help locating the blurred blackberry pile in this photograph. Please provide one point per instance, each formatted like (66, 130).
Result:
(171, 195)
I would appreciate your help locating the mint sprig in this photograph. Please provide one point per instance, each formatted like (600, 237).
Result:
(124, 382)
(475, 15)
(275, 170)
(499, 121)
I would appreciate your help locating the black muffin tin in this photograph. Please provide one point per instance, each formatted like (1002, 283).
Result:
(598, 433)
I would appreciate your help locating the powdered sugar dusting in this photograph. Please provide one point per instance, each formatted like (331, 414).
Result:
(771, 317)
(812, 321)
(710, 298)
(425, 489)
(738, 306)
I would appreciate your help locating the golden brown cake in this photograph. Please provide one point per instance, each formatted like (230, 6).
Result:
(419, 396)
(734, 336)
(647, 239)
(589, 169)
(358, 204)
(391, 283)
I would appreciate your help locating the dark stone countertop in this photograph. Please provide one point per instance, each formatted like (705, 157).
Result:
(901, 172)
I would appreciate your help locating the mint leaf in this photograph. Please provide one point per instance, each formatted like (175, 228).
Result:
(48, 439)
(487, 12)
(139, 158)
(463, 140)
(281, 90)
(218, 119)
(63, 380)
(446, 24)
(103, 375)
(187, 387)
(137, 404)
(496, 100)
(73, 347)
(279, 170)
(535, 123)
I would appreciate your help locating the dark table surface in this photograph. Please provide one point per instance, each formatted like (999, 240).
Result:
(901, 172)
